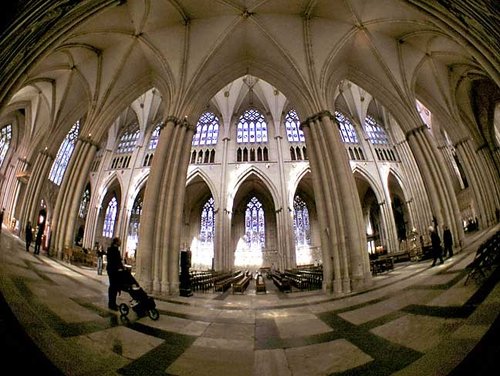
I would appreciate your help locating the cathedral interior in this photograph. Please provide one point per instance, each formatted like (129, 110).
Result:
(274, 170)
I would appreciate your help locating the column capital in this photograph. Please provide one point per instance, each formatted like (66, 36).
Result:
(316, 116)
(45, 152)
(461, 142)
(481, 147)
(88, 140)
(413, 131)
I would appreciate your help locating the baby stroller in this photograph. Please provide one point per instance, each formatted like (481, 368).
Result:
(141, 303)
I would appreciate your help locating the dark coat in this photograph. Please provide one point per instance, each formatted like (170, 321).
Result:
(114, 258)
(436, 243)
(447, 238)
(29, 233)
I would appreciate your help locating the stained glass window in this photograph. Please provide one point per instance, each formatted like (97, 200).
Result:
(292, 123)
(5, 137)
(347, 131)
(135, 218)
(376, 134)
(207, 130)
(254, 224)
(207, 228)
(84, 203)
(64, 154)
(110, 218)
(128, 140)
(155, 136)
(301, 224)
(252, 127)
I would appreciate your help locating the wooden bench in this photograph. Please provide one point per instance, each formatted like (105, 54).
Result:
(487, 254)
(223, 284)
(241, 284)
(260, 284)
(281, 282)
(382, 264)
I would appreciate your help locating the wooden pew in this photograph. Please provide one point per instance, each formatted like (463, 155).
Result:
(260, 284)
(241, 284)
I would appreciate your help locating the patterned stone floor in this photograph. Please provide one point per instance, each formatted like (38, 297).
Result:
(415, 320)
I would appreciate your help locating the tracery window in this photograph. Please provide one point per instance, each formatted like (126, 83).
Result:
(135, 218)
(301, 224)
(254, 224)
(64, 154)
(128, 140)
(292, 125)
(207, 228)
(346, 128)
(252, 127)
(5, 138)
(207, 130)
(110, 218)
(84, 203)
(155, 136)
(376, 134)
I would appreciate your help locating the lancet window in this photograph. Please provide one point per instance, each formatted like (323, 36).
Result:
(64, 154)
(207, 130)
(254, 224)
(5, 138)
(252, 127)
(376, 134)
(110, 218)
(292, 125)
(301, 224)
(207, 226)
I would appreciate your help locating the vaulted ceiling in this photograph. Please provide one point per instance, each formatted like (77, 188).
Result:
(190, 50)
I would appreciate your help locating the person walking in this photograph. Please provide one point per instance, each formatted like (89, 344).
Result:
(28, 232)
(436, 246)
(1, 218)
(100, 256)
(114, 267)
(447, 242)
(38, 239)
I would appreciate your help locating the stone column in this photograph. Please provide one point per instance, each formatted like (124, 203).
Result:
(418, 203)
(349, 204)
(148, 260)
(36, 182)
(436, 180)
(332, 281)
(163, 204)
(69, 196)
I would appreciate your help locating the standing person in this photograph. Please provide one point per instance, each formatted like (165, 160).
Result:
(447, 242)
(28, 231)
(100, 255)
(38, 239)
(113, 267)
(436, 246)
(1, 218)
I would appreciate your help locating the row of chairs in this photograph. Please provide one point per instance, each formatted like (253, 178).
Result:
(487, 256)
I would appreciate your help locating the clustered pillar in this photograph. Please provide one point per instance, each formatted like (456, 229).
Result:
(437, 182)
(70, 193)
(343, 240)
(158, 253)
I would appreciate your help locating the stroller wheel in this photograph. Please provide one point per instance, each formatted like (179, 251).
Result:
(153, 314)
(123, 309)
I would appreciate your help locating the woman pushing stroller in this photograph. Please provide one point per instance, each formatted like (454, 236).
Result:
(114, 267)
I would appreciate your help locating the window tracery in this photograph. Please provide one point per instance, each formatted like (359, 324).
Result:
(5, 138)
(252, 127)
(207, 130)
(292, 126)
(110, 218)
(64, 154)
